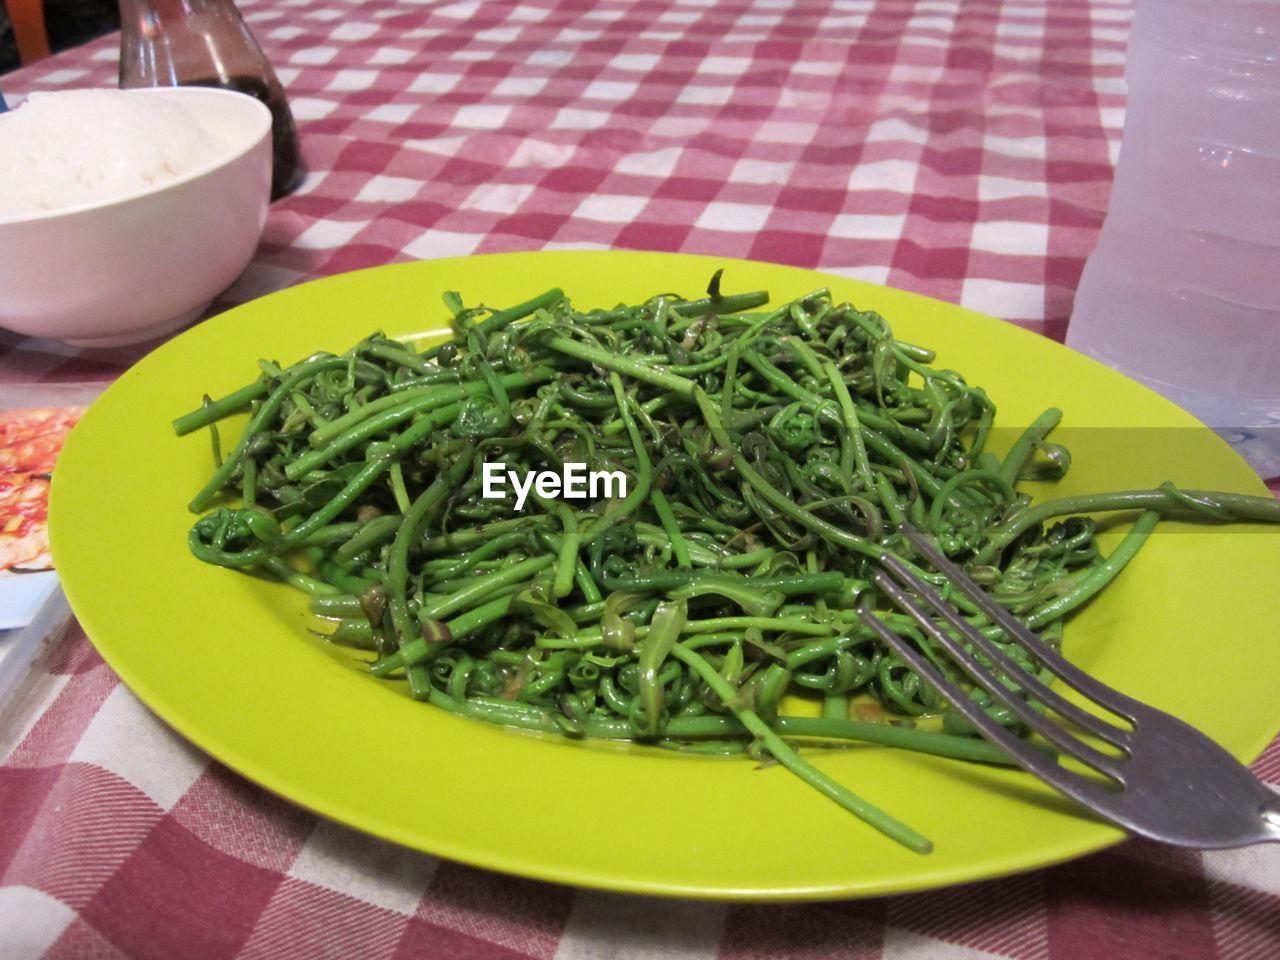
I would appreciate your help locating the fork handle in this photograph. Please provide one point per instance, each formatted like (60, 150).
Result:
(1271, 816)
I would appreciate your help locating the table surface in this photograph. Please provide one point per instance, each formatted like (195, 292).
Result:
(960, 150)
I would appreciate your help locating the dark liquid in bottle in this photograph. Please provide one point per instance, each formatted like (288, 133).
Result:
(287, 168)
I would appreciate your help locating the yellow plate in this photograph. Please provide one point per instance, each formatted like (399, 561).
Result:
(228, 661)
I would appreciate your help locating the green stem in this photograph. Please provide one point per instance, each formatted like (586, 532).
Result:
(264, 415)
(1025, 445)
(217, 409)
(1099, 576)
(1228, 506)
(783, 753)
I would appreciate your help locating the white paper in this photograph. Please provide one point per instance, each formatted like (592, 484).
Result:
(21, 596)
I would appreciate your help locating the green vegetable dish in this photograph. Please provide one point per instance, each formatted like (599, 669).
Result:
(769, 454)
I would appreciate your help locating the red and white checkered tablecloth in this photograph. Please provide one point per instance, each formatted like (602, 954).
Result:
(960, 148)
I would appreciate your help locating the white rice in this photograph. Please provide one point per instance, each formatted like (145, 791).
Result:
(74, 147)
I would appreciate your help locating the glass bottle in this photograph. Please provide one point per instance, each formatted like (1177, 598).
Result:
(206, 43)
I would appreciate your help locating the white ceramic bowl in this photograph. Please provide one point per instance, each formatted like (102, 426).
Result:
(125, 270)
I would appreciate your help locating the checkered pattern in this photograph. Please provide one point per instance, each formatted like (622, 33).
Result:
(963, 150)
(120, 840)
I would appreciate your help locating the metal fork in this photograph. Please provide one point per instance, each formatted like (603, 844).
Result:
(1172, 784)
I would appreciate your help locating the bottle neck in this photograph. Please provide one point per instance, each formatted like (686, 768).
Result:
(149, 17)
(170, 42)
(144, 11)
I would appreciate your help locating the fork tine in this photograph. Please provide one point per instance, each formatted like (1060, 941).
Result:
(1095, 690)
(1028, 681)
(1043, 765)
(1031, 717)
